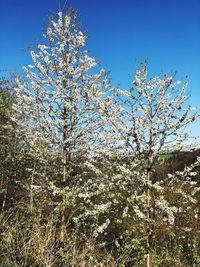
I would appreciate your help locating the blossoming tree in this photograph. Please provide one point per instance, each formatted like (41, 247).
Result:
(150, 120)
(55, 95)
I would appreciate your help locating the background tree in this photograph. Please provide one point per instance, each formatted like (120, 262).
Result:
(10, 144)
(16, 158)
(7, 135)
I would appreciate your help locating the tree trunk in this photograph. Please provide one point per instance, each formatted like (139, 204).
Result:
(148, 193)
(5, 195)
(148, 263)
(31, 199)
(64, 178)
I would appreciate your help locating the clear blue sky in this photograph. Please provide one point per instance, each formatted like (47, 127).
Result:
(121, 34)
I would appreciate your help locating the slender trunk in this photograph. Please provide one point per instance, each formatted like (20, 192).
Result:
(64, 178)
(31, 191)
(31, 200)
(5, 195)
(148, 193)
(65, 170)
(62, 226)
(148, 199)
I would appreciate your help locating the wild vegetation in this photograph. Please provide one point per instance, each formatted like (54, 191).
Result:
(93, 174)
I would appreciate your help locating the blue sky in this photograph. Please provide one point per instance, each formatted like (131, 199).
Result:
(121, 34)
